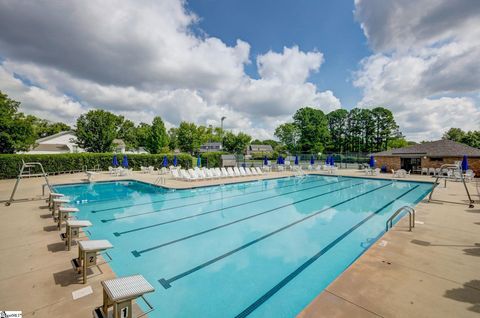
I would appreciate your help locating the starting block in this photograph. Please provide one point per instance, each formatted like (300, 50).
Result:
(57, 203)
(87, 255)
(119, 294)
(73, 231)
(52, 196)
(64, 214)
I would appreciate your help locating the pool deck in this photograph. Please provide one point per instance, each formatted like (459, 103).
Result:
(432, 271)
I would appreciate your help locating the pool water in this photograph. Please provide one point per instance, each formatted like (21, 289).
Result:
(258, 249)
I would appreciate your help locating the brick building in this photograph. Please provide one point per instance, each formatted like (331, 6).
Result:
(428, 155)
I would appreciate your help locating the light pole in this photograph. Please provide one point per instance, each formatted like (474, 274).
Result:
(221, 128)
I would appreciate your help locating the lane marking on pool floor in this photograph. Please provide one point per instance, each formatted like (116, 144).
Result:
(166, 283)
(247, 311)
(196, 195)
(138, 253)
(222, 209)
(206, 201)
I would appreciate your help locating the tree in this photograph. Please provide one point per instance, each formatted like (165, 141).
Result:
(188, 137)
(337, 124)
(97, 129)
(173, 138)
(16, 132)
(398, 142)
(43, 128)
(158, 138)
(288, 134)
(455, 134)
(236, 143)
(313, 127)
(385, 127)
(127, 132)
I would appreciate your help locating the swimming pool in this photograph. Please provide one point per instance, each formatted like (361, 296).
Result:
(257, 249)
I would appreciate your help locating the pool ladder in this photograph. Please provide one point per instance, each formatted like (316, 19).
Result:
(411, 217)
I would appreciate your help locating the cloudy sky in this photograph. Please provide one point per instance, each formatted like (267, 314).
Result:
(254, 62)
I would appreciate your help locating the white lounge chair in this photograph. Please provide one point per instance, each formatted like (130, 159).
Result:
(259, 171)
(424, 171)
(237, 172)
(231, 172)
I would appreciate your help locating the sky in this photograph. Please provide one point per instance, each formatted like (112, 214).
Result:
(255, 62)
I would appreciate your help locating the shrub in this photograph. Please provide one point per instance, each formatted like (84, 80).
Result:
(211, 159)
(60, 163)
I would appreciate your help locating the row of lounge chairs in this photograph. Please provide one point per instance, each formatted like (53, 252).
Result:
(214, 173)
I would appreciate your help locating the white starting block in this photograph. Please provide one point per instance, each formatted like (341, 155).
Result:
(119, 294)
(73, 231)
(64, 214)
(57, 203)
(52, 196)
(87, 255)
(90, 175)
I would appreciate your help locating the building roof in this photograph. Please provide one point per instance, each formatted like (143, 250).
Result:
(52, 148)
(439, 148)
(55, 136)
(261, 147)
(212, 144)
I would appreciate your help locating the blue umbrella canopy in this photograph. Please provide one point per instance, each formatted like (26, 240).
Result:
(282, 160)
(125, 161)
(312, 160)
(265, 161)
(372, 162)
(175, 160)
(332, 161)
(327, 160)
(199, 161)
(279, 160)
(115, 161)
(296, 160)
(165, 161)
(465, 163)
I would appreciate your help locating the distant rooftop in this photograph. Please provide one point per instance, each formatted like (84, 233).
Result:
(439, 148)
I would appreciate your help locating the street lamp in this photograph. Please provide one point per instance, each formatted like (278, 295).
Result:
(221, 127)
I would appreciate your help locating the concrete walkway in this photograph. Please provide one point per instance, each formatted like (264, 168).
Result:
(430, 272)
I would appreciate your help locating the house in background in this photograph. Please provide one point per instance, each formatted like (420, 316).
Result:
(62, 142)
(264, 149)
(428, 155)
(211, 147)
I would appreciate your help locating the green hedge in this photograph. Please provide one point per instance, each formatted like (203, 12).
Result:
(60, 163)
(211, 159)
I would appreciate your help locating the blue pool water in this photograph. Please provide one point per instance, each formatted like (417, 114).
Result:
(257, 249)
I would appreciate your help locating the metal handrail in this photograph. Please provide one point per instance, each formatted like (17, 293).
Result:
(411, 217)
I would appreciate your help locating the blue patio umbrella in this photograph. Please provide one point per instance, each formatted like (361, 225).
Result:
(296, 160)
(265, 161)
(282, 160)
(125, 161)
(115, 161)
(465, 163)
(327, 160)
(199, 161)
(312, 160)
(165, 161)
(332, 161)
(372, 162)
(175, 160)
(279, 160)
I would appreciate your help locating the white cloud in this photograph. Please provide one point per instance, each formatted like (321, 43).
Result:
(426, 63)
(142, 59)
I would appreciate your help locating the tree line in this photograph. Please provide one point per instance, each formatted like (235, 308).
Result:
(310, 131)
(357, 130)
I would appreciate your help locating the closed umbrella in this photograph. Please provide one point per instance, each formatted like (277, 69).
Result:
(115, 161)
(165, 161)
(312, 160)
(265, 161)
(372, 162)
(199, 161)
(279, 160)
(175, 160)
(332, 161)
(327, 160)
(125, 161)
(296, 160)
(465, 163)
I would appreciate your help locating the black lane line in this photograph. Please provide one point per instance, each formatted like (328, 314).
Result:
(247, 311)
(174, 199)
(220, 209)
(208, 201)
(138, 253)
(166, 283)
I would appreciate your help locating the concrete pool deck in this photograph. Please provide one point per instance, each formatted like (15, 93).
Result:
(432, 271)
